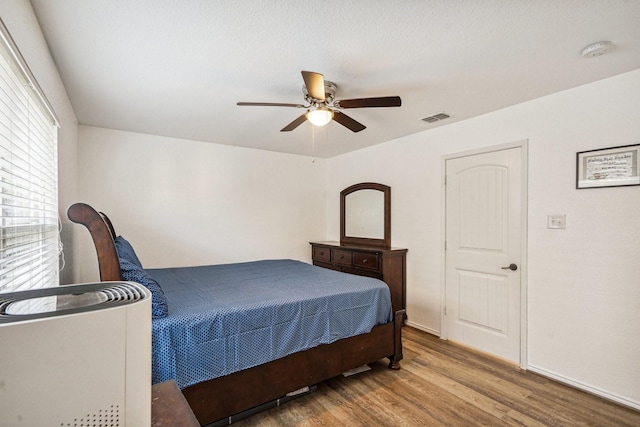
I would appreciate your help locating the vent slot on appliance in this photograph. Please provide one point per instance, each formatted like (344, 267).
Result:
(104, 418)
(67, 299)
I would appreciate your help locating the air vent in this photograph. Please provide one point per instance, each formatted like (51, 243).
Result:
(436, 117)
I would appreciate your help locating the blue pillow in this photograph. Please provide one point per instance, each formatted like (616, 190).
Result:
(125, 250)
(133, 273)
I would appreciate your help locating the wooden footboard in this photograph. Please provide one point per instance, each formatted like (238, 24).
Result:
(223, 397)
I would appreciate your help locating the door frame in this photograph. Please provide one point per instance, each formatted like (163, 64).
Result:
(524, 156)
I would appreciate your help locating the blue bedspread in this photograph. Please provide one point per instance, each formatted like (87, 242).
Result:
(226, 318)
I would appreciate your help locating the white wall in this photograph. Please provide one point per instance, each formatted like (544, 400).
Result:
(583, 282)
(21, 22)
(183, 202)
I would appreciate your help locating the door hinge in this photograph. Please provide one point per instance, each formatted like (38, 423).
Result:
(445, 310)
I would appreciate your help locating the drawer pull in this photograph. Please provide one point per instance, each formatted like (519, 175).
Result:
(364, 261)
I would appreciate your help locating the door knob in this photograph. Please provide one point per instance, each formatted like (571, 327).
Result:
(511, 267)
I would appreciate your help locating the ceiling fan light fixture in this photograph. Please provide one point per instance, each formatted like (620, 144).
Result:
(320, 116)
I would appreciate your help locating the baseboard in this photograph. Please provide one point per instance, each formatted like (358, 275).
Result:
(585, 387)
(557, 377)
(423, 328)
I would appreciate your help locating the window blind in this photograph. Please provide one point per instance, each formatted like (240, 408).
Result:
(29, 237)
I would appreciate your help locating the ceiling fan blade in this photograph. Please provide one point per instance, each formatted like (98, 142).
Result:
(385, 101)
(348, 122)
(269, 104)
(315, 84)
(294, 124)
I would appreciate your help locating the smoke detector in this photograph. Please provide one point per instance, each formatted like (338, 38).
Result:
(596, 49)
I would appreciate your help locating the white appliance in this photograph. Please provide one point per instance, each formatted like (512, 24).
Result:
(77, 355)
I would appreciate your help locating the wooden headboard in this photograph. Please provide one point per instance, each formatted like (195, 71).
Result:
(103, 235)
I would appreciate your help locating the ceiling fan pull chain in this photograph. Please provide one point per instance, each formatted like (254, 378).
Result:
(313, 143)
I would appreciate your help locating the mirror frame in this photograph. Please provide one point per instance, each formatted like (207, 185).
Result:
(365, 241)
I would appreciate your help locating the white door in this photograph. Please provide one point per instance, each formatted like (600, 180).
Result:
(484, 232)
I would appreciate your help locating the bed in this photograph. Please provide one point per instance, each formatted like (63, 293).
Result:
(255, 340)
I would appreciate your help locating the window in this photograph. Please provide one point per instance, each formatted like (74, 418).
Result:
(29, 238)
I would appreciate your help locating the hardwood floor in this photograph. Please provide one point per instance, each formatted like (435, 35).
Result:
(441, 383)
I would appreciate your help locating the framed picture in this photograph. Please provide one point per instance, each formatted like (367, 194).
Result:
(608, 167)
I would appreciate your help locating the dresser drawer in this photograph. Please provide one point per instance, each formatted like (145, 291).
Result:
(363, 272)
(364, 260)
(321, 254)
(341, 257)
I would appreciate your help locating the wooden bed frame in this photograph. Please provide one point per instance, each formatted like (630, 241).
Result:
(222, 397)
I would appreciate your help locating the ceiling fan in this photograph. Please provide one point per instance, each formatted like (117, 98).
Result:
(322, 108)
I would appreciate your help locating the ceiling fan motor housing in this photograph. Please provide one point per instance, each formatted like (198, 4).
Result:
(330, 90)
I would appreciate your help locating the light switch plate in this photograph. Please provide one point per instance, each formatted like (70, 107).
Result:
(556, 221)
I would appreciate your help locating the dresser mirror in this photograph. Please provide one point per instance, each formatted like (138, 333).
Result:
(365, 215)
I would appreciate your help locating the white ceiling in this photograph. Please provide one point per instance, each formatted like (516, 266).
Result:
(177, 67)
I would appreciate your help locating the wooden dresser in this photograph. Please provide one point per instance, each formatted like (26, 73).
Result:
(388, 265)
